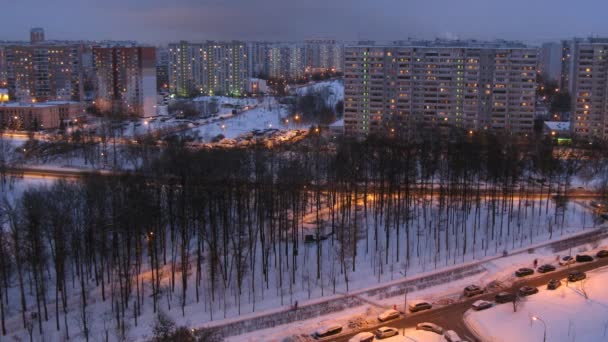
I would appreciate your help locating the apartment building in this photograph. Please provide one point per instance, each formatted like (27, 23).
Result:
(125, 79)
(210, 68)
(43, 71)
(589, 119)
(398, 87)
(324, 55)
(287, 61)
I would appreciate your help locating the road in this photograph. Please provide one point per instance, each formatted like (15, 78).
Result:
(450, 317)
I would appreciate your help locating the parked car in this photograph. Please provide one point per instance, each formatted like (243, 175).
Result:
(602, 254)
(524, 271)
(481, 305)
(416, 306)
(388, 315)
(504, 297)
(427, 326)
(525, 291)
(576, 276)
(328, 330)
(553, 284)
(583, 258)
(362, 337)
(567, 260)
(546, 268)
(452, 336)
(472, 290)
(386, 332)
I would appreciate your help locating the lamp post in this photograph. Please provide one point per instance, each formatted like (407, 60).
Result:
(536, 318)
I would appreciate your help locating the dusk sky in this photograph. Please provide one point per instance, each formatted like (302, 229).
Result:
(161, 21)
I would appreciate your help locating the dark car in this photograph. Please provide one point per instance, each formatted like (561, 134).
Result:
(522, 272)
(504, 297)
(602, 254)
(481, 305)
(553, 284)
(472, 290)
(416, 306)
(583, 258)
(576, 276)
(546, 268)
(525, 291)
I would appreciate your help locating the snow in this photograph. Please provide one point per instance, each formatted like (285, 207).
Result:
(334, 90)
(266, 115)
(569, 316)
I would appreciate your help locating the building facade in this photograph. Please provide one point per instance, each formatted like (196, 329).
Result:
(43, 71)
(589, 118)
(125, 79)
(38, 116)
(324, 55)
(399, 87)
(211, 68)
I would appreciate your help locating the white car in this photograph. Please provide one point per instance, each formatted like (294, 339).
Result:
(386, 332)
(567, 260)
(362, 337)
(452, 336)
(328, 330)
(388, 315)
(427, 326)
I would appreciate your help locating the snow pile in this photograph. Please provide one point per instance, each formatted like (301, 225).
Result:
(568, 315)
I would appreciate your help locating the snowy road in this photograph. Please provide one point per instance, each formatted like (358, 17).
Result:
(451, 316)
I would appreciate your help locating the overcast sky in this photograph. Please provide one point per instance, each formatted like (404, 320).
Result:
(161, 21)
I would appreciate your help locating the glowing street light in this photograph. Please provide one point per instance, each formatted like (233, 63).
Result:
(536, 318)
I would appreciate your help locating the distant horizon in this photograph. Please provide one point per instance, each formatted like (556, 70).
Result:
(160, 22)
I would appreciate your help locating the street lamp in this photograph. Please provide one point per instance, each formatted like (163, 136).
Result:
(536, 318)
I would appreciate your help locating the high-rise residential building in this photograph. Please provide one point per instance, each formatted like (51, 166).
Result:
(257, 59)
(36, 35)
(125, 79)
(210, 68)
(44, 71)
(324, 55)
(469, 85)
(551, 61)
(162, 69)
(287, 61)
(589, 91)
(3, 75)
(186, 69)
(226, 68)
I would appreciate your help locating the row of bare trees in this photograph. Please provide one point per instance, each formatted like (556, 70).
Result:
(220, 229)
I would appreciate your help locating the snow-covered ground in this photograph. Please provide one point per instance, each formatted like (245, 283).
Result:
(568, 315)
(497, 270)
(332, 90)
(266, 114)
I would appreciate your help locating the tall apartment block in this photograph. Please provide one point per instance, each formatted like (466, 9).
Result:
(125, 79)
(323, 55)
(43, 71)
(209, 68)
(226, 68)
(287, 60)
(257, 58)
(473, 86)
(588, 88)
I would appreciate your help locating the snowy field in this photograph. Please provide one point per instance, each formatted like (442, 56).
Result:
(568, 315)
